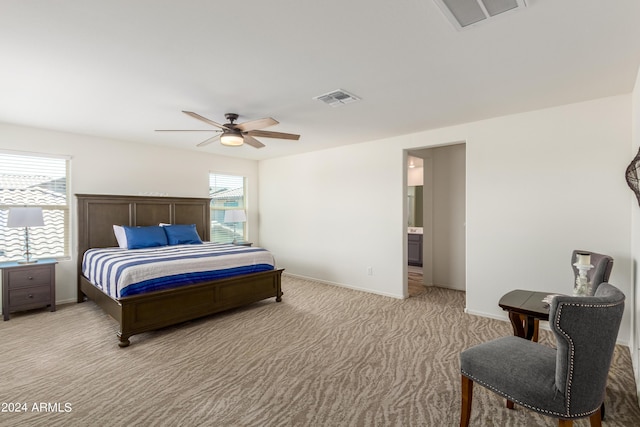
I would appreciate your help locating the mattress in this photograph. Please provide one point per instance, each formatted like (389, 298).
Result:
(126, 272)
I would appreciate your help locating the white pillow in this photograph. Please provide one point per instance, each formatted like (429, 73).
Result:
(121, 236)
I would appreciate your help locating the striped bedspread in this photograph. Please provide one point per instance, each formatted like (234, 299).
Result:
(125, 272)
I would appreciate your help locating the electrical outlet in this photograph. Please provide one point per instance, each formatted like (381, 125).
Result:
(370, 271)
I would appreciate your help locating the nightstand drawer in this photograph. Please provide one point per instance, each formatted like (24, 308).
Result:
(35, 296)
(31, 276)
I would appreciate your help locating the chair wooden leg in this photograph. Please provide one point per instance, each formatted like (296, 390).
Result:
(510, 404)
(467, 397)
(596, 418)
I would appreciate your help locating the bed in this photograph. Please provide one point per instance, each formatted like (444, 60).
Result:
(161, 308)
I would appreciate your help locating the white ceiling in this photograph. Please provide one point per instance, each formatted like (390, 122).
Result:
(123, 68)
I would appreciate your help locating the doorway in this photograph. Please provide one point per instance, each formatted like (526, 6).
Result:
(443, 214)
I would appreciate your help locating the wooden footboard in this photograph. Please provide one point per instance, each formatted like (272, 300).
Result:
(147, 312)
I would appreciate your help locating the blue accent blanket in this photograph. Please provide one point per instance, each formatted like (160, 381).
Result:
(125, 272)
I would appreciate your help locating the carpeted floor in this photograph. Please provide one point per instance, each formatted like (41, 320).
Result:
(324, 356)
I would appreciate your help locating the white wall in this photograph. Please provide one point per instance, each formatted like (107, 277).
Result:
(321, 212)
(538, 185)
(104, 166)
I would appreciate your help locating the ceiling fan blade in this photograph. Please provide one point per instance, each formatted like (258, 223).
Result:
(269, 134)
(204, 119)
(256, 124)
(252, 141)
(208, 141)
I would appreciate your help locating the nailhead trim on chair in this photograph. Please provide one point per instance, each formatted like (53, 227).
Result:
(511, 398)
(566, 415)
(572, 351)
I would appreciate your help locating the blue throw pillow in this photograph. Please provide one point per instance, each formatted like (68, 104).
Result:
(145, 237)
(182, 234)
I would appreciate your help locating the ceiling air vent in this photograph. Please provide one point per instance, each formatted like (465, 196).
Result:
(465, 13)
(337, 98)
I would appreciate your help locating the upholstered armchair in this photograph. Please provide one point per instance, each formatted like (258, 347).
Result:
(565, 383)
(602, 266)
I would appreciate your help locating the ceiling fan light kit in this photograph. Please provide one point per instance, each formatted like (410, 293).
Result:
(236, 134)
(231, 138)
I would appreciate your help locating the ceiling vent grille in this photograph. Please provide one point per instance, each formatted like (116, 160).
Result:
(466, 13)
(337, 98)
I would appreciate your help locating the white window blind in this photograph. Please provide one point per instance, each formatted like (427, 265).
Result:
(227, 192)
(32, 180)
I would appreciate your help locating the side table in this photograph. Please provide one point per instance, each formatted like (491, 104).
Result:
(28, 286)
(526, 309)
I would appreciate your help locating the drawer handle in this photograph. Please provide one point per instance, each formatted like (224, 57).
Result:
(30, 278)
(30, 296)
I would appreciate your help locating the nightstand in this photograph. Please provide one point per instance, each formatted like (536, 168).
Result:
(27, 286)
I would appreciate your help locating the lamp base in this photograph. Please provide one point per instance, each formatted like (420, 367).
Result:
(24, 261)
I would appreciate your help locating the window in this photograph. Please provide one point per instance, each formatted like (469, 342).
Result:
(227, 194)
(34, 181)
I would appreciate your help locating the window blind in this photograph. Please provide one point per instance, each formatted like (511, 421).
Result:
(227, 192)
(34, 180)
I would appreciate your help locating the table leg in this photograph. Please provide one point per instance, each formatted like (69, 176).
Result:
(517, 323)
(524, 326)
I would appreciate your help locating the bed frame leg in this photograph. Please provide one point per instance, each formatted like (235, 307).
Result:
(124, 341)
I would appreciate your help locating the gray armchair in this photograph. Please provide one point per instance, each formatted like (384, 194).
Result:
(602, 266)
(565, 383)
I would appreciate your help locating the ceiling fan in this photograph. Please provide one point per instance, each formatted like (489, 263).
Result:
(236, 134)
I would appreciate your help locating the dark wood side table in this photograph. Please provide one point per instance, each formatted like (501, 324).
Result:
(28, 286)
(526, 309)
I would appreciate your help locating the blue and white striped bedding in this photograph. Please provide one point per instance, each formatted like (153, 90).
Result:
(125, 272)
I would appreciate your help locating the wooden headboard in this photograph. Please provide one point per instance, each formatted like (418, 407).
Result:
(97, 213)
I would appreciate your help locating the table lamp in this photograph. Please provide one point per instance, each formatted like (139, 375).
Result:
(234, 216)
(25, 217)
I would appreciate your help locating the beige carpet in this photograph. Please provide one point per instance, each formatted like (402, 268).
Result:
(325, 356)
